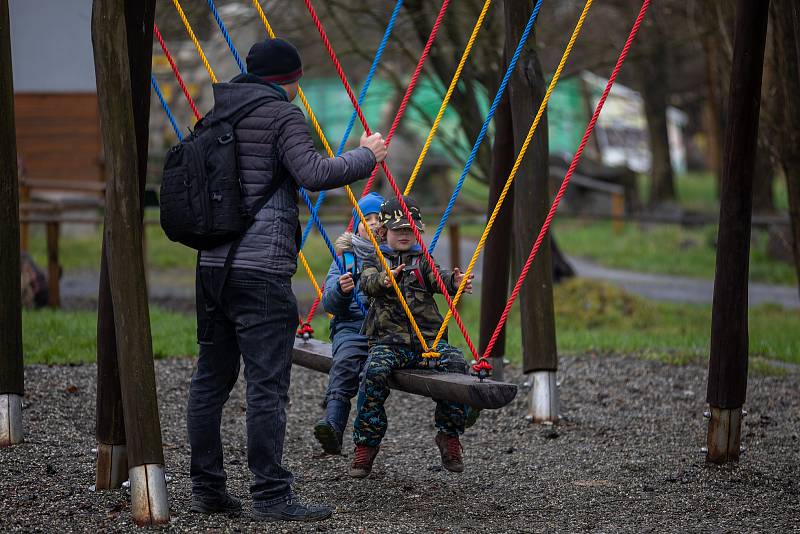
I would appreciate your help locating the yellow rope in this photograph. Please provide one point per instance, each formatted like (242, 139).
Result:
(194, 40)
(351, 197)
(307, 267)
(447, 96)
(515, 168)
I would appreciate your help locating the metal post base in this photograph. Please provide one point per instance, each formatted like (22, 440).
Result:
(10, 419)
(724, 435)
(544, 397)
(149, 502)
(112, 466)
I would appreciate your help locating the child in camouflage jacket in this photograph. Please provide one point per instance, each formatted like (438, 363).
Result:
(393, 343)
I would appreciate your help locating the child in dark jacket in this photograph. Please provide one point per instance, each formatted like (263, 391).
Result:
(393, 343)
(349, 345)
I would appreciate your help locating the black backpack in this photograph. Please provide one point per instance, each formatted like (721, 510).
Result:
(202, 201)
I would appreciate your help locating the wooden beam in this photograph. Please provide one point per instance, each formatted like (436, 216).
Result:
(489, 394)
(111, 469)
(494, 282)
(11, 365)
(114, 70)
(11, 375)
(727, 370)
(526, 90)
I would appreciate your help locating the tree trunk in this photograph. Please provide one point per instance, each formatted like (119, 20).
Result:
(787, 30)
(714, 120)
(531, 197)
(652, 77)
(763, 199)
(494, 282)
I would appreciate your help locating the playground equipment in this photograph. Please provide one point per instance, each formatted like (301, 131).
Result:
(126, 383)
(11, 376)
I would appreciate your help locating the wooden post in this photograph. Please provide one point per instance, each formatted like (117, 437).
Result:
(531, 204)
(497, 253)
(111, 469)
(11, 365)
(53, 268)
(123, 232)
(727, 370)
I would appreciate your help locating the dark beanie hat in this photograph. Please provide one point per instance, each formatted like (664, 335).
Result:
(275, 61)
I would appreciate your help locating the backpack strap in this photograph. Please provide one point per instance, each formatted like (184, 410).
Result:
(414, 267)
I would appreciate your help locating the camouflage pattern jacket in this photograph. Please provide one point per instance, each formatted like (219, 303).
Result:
(386, 323)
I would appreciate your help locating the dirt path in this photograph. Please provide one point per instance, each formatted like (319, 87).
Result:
(626, 458)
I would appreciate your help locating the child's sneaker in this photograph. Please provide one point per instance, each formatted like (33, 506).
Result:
(362, 461)
(328, 437)
(450, 448)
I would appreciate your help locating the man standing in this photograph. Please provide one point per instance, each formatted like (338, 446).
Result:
(253, 311)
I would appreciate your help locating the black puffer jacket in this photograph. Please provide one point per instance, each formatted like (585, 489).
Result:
(277, 127)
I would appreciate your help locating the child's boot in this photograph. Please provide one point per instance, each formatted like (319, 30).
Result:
(450, 448)
(363, 458)
(328, 431)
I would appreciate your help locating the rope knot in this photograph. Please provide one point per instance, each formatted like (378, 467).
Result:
(305, 332)
(482, 368)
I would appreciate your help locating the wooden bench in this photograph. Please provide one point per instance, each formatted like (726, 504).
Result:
(454, 387)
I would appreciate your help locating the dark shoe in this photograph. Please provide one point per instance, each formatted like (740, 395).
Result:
(290, 510)
(450, 448)
(362, 461)
(224, 504)
(328, 437)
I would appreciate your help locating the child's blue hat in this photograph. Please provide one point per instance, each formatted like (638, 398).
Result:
(370, 203)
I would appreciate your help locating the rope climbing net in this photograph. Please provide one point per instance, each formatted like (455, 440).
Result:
(481, 365)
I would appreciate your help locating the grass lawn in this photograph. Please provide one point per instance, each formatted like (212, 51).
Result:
(667, 249)
(590, 317)
(68, 337)
(663, 249)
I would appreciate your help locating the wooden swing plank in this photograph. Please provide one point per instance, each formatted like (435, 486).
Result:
(489, 394)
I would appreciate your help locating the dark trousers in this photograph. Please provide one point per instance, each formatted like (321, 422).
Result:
(370, 424)
(256, 316)
(349, 350)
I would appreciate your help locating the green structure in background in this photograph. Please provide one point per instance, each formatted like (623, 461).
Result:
(567, 113)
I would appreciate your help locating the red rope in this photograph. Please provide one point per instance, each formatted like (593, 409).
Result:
(576, 158)
(392, 182)
(407, 96)
(400, 112)
(175, 70)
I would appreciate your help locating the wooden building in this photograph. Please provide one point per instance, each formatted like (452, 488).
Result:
(55, 100)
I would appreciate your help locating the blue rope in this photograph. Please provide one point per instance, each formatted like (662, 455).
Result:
(226, 35)
(486, 122)
(164, 104)
(361, 96)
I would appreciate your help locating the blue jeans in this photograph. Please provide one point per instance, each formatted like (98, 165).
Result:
(349, 351)
(256, 317)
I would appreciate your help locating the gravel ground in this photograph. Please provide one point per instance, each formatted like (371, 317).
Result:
(626, 457)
